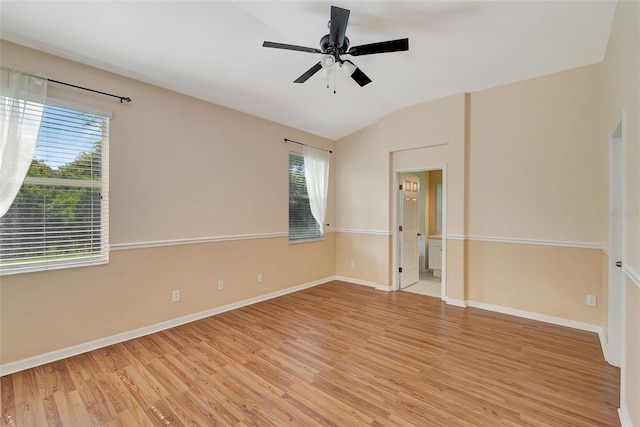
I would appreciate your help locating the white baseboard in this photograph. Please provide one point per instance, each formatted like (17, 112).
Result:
(358, 282)
(375, 285)
(456, 302)
(604, 344)
(31, 362)
(537, 316)
(623, 413)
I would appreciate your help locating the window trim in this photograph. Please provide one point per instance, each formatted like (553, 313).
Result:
(28, 266)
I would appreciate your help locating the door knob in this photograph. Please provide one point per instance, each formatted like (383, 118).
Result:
(419, 234)
(618, 263)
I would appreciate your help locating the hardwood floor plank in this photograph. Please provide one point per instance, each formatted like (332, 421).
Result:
(134, 410)
(141, 385)
(80, 413)
(161, 414)
(332, 355)
(8, 401)
(29, 411)
(48, 402)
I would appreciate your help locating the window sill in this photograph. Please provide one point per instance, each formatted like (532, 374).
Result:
(39, 266)
(312, 239)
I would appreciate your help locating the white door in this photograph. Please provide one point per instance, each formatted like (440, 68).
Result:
(615, 249)
(410, 231)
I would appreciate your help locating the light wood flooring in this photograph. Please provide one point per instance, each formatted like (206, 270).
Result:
(333, 355)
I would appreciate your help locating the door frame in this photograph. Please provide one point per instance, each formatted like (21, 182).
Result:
(395, 237)
(615, 321)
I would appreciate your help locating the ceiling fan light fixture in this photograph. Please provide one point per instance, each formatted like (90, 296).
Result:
(348, 68)
(328, 61)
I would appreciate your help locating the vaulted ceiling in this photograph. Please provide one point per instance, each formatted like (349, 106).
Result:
(213, 49)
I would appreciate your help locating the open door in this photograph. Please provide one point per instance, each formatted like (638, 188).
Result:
(616, 235)
(409, 231)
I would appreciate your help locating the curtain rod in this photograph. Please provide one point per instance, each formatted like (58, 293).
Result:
(121, 98)
(308, 145)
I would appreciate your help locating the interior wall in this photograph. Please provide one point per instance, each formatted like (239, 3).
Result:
(622, 78)
(537, 194)
(180, 168)
(537, 168)
(549, 280)
(366, 165)
(423, 218)
(534, 172)
(422, 193)
(435, 178)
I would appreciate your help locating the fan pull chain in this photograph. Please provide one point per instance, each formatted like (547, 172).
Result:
(334, 79)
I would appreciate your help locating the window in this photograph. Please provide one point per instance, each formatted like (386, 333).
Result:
(60, 216)
(302, 224)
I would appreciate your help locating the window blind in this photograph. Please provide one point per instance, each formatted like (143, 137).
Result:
(60, 217)
(302, 224)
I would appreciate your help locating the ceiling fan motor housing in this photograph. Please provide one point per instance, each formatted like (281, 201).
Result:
(328, 48)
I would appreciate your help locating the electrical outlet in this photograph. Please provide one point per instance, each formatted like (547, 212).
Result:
(175, 296)
(220, 285)
(591, 300)
(259, 277)
(353, 264)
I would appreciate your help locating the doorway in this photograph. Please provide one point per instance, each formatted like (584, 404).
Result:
(419, 221)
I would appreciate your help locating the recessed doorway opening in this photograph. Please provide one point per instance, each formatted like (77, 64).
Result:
(419, 224)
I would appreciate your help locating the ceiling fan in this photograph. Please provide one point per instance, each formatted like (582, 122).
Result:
(335, 44)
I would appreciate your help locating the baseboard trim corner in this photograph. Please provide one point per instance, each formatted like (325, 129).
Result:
(536, 316)
(456, 302)
(623, 414)
(604, 344)
(32, 362)
(357, 281)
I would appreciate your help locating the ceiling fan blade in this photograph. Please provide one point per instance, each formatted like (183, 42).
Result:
(359, 76)
(339, 21)
(380, 47)
(310, 72)
(291, 47)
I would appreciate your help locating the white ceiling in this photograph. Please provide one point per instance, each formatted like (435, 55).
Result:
(212, 49)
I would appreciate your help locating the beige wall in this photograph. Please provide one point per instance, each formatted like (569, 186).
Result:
(537, 166)
(364, 250)
(537, 171)
(180, 168)
(523, 161)
(414, 138)
(548, 280)
(435, 178)
(623, 91)
(622, 78)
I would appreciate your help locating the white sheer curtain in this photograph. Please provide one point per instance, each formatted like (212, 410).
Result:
(316, 174)
(22, 98)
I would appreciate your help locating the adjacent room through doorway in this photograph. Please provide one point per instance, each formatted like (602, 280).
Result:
(420, 230)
